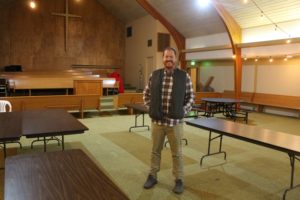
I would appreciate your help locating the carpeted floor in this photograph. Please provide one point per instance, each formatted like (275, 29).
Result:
(129, 141)
(250, 171)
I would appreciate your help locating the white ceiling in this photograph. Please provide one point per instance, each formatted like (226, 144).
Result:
(191, 20)
(248, 15)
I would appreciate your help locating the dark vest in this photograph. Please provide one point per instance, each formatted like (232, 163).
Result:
(177, 97)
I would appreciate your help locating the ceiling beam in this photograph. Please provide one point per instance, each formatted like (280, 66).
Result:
(233, 29)
(235, 36)
(178, 37)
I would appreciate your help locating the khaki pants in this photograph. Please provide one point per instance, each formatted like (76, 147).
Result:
(174, 135)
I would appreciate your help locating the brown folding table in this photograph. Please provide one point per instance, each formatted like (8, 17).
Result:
(140, 110)
(60, 175)
(280, 141)
(10, 128)
(38, 123)
(50, 123)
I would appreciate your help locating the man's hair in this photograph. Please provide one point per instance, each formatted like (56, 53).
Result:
(169, 49)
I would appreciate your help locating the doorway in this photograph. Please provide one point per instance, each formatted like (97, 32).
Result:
(149, 67)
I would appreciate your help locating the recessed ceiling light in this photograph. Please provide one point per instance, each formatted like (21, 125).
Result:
(32, 4)
(203, 3)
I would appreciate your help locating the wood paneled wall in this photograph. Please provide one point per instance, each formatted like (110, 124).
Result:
(35, 38)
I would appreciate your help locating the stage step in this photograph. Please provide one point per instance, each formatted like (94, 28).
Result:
(107, 103)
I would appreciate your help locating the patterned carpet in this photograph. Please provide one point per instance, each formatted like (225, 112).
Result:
(250, 171)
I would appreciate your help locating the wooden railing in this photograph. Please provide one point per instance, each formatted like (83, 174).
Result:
(126, 98)
(246, 96)
(260, 100)
(51, 80)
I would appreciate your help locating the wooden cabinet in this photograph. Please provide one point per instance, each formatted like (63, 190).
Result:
(83, 87)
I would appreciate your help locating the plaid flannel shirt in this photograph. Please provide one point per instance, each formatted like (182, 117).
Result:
(166, 97)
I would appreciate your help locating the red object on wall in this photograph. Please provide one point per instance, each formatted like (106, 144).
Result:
(118, 77)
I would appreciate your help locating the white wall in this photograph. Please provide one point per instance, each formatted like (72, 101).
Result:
(208, 41)
(248, 78)
(279, 77)
(223, 77)
(137, 51)
(223, 74)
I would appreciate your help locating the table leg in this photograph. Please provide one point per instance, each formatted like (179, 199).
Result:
(292, 162)
(62, 142)
(4, 149)
(209, 145)
(45, 143)
(135, 122)
(43, 140)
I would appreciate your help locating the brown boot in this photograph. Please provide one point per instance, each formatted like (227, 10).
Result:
(150, 182)
(178, 188)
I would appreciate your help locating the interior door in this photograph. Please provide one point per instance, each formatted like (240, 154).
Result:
(149, 67)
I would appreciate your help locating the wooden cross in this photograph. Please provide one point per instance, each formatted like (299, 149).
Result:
(67, 15)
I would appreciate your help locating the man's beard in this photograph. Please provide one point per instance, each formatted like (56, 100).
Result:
(169, 66)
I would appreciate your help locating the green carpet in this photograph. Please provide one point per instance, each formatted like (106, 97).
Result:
(140, 147)
(217, 185)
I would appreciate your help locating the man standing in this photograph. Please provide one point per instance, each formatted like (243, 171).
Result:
(169, 96)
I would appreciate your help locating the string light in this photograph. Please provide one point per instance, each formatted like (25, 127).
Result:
(287, 57)
(233, 56)
(262, 59)
(271, 59)
(264, 15)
